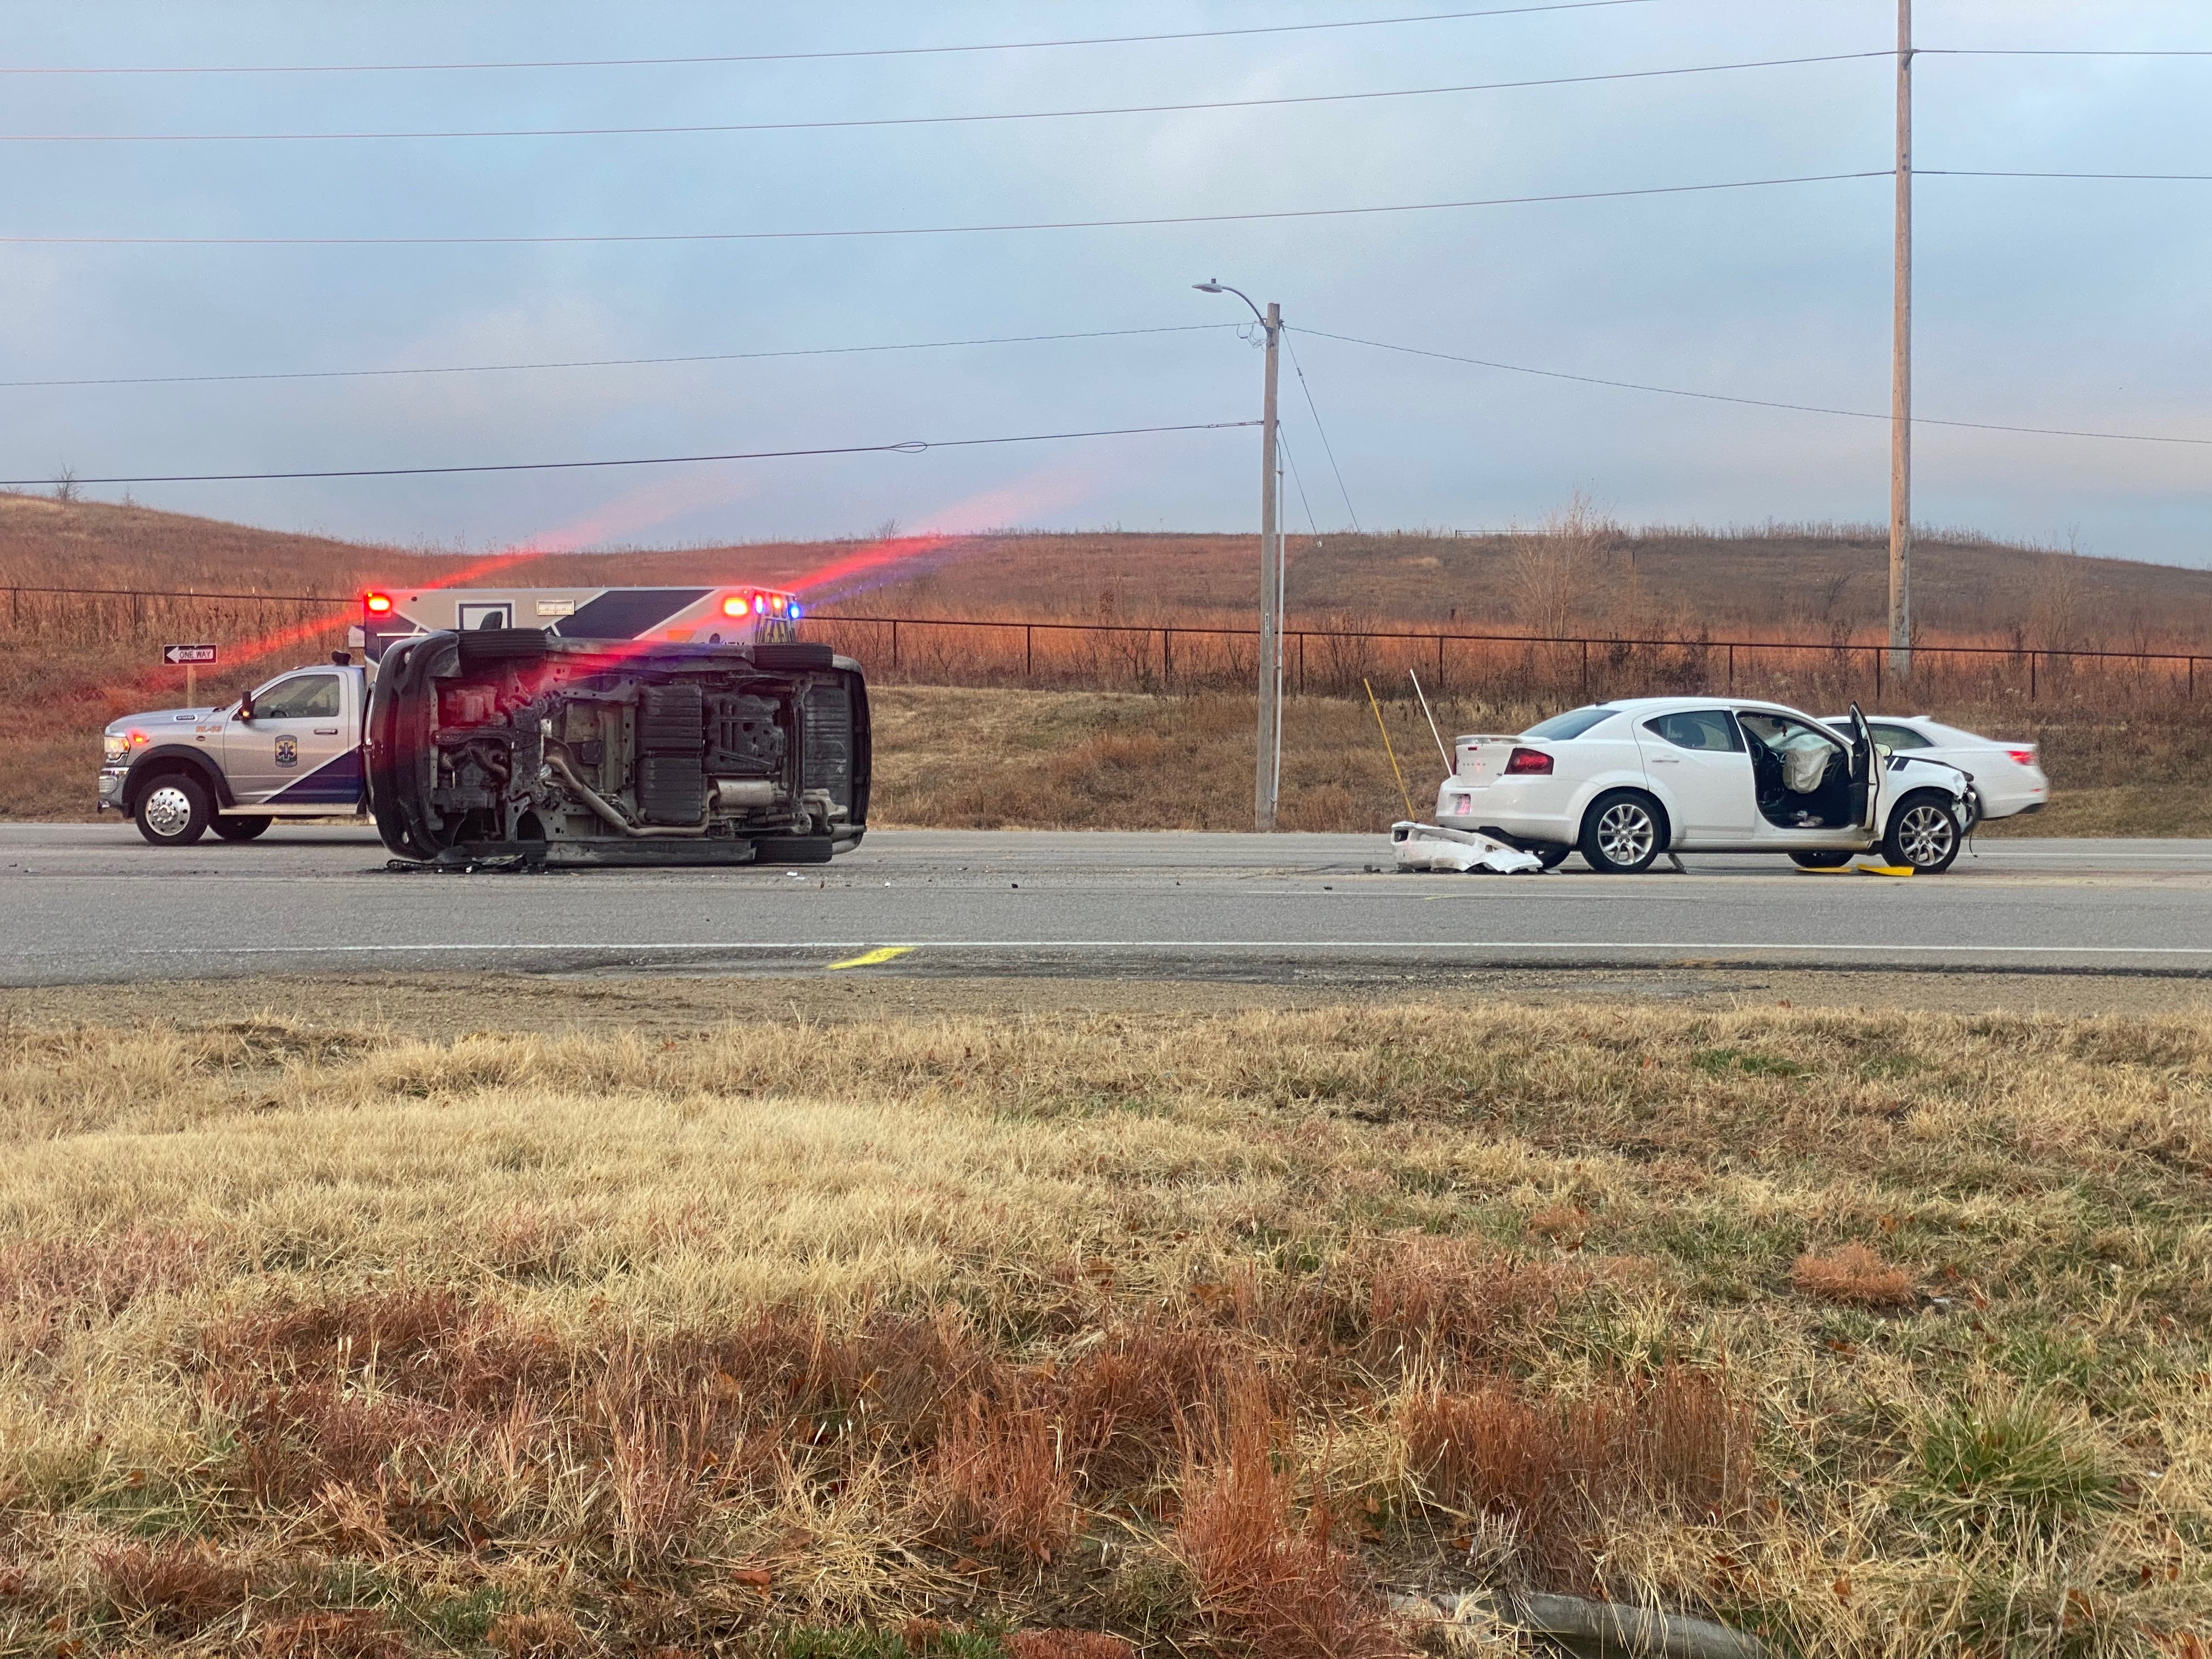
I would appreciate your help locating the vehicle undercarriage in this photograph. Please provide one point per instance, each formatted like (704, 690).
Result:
(510, 743)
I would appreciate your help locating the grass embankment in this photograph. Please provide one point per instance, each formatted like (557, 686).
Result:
(1881, 1334)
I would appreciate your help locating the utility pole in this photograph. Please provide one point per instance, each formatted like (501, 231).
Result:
(1268, 773)
(1900, 372)
(1267, 765)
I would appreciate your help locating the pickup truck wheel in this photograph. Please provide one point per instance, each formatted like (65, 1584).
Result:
(173, 810)
(1924, 832)
(238, 828)
(1622, 833)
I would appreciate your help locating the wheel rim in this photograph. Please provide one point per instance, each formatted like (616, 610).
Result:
(168, 810)
(1925, 836)
(1625, 834)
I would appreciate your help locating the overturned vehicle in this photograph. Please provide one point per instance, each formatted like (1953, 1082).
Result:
(513, 743)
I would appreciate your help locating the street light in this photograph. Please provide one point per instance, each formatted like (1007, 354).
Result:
(1268, 768)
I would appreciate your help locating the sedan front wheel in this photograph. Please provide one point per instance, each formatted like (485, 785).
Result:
(1924, 832)
(1622, 833)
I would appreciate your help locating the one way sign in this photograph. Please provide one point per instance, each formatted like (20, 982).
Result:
(198, 656)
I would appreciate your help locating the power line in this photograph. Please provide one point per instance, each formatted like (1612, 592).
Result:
(1300, 482)
(907, 446)
(1977, 172)
(699, 128)
(2056, 51)
(609, 363)
(1327, 448)
(814, 57)
(1753, 402)
(922, 230)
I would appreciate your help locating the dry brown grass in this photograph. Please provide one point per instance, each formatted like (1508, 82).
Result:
(1183, 1329)
(1853, 1276)
(1272, 1576)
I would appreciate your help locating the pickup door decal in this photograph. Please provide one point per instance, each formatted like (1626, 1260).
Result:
(336, 782)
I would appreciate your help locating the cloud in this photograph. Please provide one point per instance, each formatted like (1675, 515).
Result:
(2079, 303)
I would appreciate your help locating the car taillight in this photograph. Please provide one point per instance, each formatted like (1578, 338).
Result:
(1527, 763)
(2023, 756)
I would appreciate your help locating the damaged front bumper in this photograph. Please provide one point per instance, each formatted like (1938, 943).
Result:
(1430, 847)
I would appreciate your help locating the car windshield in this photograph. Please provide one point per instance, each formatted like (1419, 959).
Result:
(1572, 724)
(1781, 734)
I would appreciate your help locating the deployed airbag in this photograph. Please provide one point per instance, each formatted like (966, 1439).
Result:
(1803, 769)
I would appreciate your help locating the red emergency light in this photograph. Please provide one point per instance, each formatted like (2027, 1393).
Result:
(736, 605)
(378, 603)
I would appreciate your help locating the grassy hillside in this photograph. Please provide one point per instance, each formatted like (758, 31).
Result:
(1592, 576)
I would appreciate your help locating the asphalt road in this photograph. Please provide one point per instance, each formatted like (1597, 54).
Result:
(91, 903)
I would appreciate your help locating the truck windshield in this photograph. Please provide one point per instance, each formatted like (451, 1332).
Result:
(301, 697)
(1572, 724)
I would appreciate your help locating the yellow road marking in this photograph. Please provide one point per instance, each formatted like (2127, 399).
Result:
(873, 958)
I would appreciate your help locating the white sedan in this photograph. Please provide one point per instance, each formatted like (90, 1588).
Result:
(1626, 782)
(2004, 780)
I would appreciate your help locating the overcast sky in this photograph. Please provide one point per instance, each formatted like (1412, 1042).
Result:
(2064, 304)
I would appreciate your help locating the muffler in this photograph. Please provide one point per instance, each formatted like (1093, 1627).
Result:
(733, 793)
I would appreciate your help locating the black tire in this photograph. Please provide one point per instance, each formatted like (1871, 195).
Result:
(1624, 830)
(487, 647)
(793, 849)
(792, 656)
(1923, 834)
(1821, 860)
(238, 828)
(1552, 857)
(173, 810)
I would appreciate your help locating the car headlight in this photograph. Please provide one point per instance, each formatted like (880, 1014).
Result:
(115, 748)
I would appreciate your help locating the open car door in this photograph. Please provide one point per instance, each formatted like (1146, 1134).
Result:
(1866, 773)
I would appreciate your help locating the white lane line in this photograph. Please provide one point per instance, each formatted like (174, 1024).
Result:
(1190, 944)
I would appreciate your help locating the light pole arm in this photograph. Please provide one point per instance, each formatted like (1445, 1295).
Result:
(1219, 286)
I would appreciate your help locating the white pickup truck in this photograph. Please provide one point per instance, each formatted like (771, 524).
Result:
(291, 749)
